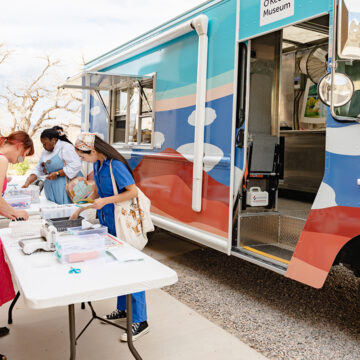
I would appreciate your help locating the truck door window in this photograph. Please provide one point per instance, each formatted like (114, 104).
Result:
(352, 69)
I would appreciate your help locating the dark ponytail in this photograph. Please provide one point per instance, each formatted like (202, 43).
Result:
(53, 133)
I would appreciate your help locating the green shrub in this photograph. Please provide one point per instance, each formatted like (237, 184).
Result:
(22, 168)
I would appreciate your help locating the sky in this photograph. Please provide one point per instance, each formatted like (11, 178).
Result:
(70, 30)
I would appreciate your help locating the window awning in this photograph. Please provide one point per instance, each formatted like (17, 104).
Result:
(102, 81)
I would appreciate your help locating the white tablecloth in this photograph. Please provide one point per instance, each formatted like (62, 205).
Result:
(35, 207)
(44, 282)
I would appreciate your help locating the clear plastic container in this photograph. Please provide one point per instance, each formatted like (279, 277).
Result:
(70, 249)
(18, 201)
(79, 231)
(58, 211)
(32, 190)
(14, 190)
(35, 193)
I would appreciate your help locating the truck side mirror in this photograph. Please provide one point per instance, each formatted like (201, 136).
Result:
(349, 29)
(343, 89)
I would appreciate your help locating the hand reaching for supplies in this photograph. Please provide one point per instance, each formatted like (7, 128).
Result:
(98, 203)
(75, 215)
(22, 214)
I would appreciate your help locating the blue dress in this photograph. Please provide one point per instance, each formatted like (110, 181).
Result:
(55, 189)
(106, 215)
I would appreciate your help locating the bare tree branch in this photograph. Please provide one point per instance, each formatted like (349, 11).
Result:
(4, 53)
(50, 64)
(33, 106)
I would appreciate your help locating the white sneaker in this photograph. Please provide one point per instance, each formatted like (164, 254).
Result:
(138, 330)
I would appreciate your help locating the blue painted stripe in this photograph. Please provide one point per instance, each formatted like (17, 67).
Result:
(341, 173)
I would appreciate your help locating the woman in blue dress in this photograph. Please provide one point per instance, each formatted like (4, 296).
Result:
(91, 148)
(59, 163)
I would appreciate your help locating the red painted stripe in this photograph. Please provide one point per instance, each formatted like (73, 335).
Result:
(326, 231)
(168, 184)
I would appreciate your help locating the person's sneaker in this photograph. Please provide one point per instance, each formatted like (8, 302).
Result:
(117, 315)
(4, 331)
(138, 330)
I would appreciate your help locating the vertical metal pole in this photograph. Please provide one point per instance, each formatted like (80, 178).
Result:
(200, 24)
(129, 327)
(153, 111)
(127, 130)
(112, 115)
(72, 332)
(139, 119)
(85, 126)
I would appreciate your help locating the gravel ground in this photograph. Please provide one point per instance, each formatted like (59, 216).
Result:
(278, 317)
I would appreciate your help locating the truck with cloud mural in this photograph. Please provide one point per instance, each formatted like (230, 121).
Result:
(212, 111)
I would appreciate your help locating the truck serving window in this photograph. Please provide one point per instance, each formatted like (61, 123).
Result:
(130, 114)
(133, 115)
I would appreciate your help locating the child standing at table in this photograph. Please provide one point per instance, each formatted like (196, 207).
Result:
(91, 148)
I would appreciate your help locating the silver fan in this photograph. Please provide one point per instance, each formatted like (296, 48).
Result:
(315, 63)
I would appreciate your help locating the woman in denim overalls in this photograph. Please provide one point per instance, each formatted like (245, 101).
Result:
(59, 163)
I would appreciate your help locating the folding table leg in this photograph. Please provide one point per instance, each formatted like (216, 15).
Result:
(72, 332)
(129, 327)
(10, 320)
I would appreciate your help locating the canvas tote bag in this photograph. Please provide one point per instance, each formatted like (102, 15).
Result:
(132, 218)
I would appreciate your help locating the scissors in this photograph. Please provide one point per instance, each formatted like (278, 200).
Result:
(85, 201)
(74, 270)
(85, 204)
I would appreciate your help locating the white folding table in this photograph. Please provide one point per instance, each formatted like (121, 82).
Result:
(45, 283)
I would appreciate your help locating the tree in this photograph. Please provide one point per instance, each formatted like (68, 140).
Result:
(32, 106)
(4, 53)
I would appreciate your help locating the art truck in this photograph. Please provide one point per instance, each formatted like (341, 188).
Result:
(233, 115)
